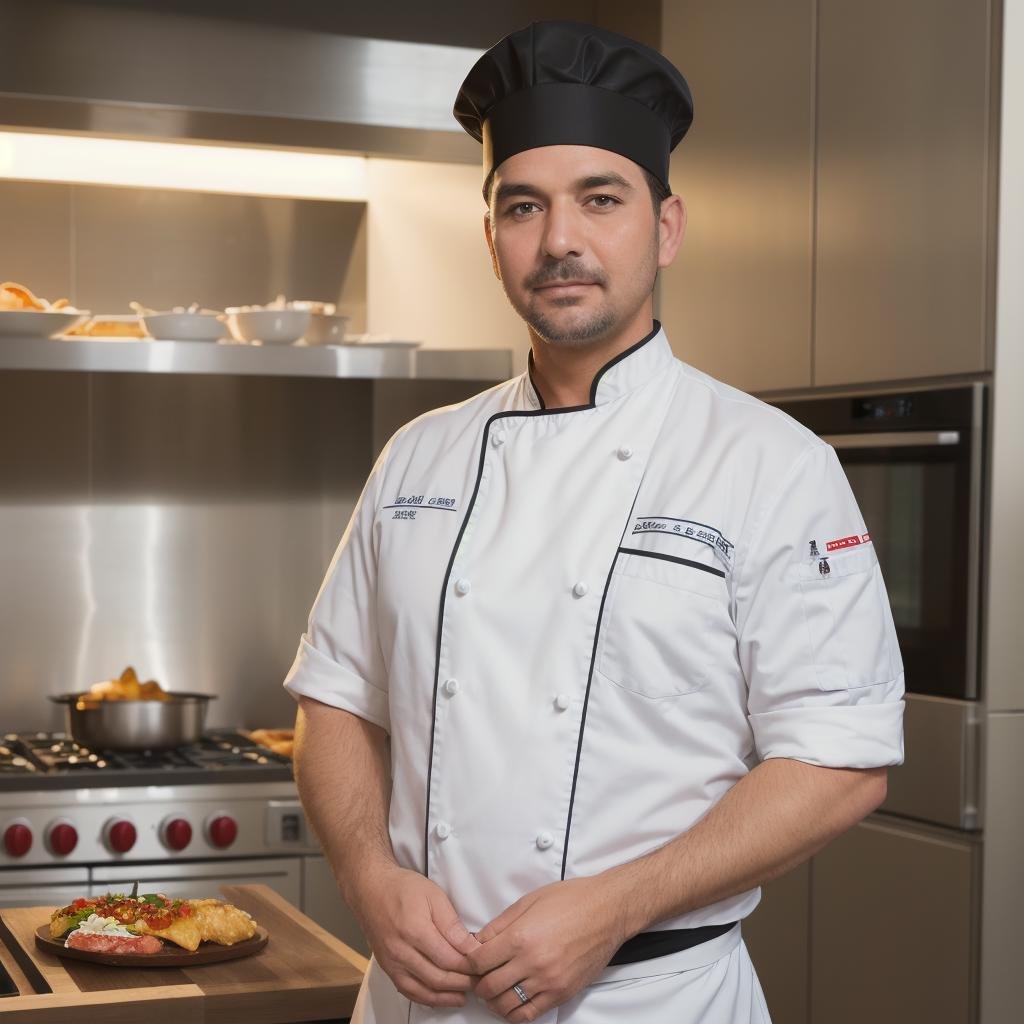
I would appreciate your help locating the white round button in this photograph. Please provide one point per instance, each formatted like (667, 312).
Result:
(625, 452)
(497, 440)
(451, 687)
(562, 702)
(544, 840)
(580, 589)
(443, 830)
(463, 586)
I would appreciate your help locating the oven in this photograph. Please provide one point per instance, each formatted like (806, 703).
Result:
(916, 461)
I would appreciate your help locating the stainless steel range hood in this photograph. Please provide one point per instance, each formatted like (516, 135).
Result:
(159, 74)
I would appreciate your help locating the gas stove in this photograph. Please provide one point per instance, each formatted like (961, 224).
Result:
(225, 796)
(47, 761)
(77, 822)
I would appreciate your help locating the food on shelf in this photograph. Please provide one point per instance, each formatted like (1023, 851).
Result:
(186, 923)
(280, 741)
(15, 296)
(109, 327)
(125, 687)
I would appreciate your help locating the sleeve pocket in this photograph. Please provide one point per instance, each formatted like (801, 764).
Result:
(845, 616)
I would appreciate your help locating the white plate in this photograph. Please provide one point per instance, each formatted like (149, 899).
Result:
(37, 323)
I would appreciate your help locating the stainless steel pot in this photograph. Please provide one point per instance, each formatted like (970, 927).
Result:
(135, 724)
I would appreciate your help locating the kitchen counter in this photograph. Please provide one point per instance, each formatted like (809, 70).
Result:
(304, 974)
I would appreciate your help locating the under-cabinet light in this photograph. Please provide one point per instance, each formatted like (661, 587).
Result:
(28, 156)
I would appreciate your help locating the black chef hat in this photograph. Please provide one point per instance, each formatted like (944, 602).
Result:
(565, 83)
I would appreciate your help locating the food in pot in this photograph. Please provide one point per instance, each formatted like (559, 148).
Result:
(125, 687)
(186, 923)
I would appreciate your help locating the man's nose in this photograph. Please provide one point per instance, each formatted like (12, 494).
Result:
(563, 232)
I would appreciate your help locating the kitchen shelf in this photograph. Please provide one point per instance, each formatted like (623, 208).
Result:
(369, 362)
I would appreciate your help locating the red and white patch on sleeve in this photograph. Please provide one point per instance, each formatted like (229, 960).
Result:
(848, 542)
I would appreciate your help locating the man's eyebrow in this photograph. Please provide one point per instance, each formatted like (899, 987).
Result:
(602, 181)
(507, 189)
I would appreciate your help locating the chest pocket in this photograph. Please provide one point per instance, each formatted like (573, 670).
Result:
(658, 618)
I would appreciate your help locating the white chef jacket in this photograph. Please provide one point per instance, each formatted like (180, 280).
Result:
(582, 626)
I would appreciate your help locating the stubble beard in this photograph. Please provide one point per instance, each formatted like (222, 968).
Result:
(592, 329)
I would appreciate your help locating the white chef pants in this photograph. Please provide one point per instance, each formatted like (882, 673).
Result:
(713, 983)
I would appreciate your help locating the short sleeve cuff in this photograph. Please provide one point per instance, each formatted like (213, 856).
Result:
(315, 675)
(857, 736)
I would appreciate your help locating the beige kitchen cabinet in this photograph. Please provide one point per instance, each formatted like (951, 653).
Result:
(777, 935)
(737, 301)
(893, 934)
(906, 158)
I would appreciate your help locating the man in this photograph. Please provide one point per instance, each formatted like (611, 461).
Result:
(585, 670)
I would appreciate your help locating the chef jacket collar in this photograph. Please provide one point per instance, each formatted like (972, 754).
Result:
(618, 377)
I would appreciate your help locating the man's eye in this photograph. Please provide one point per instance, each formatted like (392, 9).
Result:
(604, 202)
(522, 209)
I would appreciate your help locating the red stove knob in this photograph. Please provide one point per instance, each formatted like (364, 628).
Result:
(176, 833)
(18, 838)
(119, 835)
(221, 830)
(61, 837)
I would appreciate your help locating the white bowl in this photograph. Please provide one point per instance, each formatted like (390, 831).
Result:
(269, 326)
(184, 326)
(38, 323)
(326, 330)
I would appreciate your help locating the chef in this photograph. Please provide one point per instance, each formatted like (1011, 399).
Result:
(604, 647)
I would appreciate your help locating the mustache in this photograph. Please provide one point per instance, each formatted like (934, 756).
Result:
(563, 270)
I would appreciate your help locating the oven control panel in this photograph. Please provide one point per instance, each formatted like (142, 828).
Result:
(286, 825)
(109, 826)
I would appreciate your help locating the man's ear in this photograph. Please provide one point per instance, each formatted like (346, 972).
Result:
(671, 229)
(490, 244)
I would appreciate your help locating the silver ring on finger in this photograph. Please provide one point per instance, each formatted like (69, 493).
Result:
(521, 992)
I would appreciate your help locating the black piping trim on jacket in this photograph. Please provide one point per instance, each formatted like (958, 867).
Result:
(586, 705)
(673, 558)
(512, 414)
(597, 376)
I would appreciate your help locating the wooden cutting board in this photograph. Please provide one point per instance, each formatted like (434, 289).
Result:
(303, 974)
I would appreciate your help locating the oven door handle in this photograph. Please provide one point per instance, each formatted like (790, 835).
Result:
(894, 439)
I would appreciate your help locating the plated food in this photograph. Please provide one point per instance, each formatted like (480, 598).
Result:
(109, 325)
(23, 314)
(140, 925)
(19, 297)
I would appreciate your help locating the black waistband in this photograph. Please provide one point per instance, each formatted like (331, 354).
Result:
(648, 945)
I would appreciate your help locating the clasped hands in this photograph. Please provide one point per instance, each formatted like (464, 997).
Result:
(551, 943)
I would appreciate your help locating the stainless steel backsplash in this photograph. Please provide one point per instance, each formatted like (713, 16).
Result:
(178, 524)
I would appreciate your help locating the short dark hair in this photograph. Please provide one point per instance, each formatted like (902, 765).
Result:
(658, 189)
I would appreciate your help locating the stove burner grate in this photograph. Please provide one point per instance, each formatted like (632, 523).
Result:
(56, 754)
